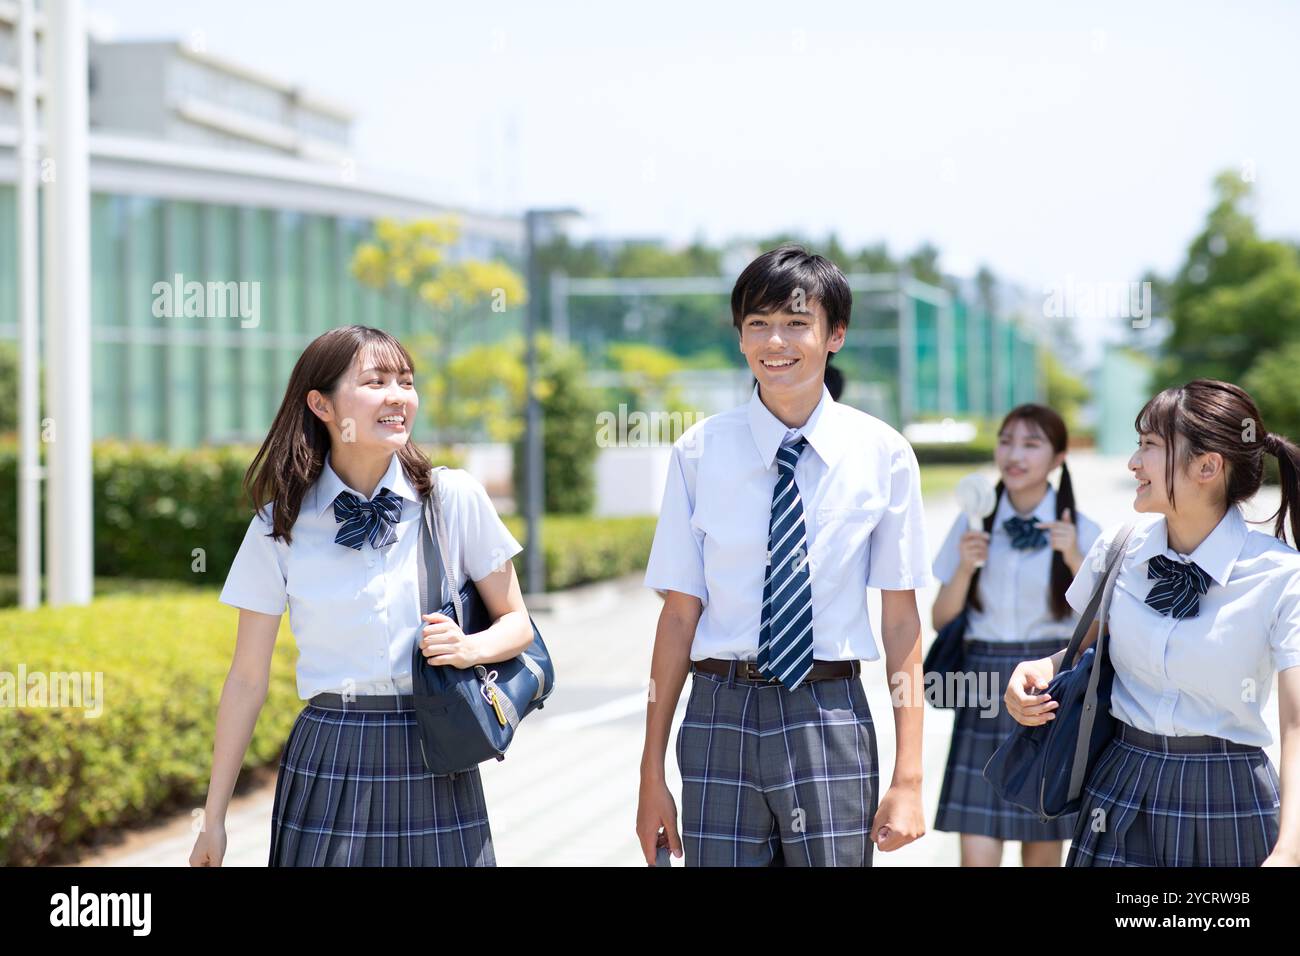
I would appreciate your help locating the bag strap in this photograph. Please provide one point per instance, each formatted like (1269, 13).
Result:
(430, 560)
(440, 531)
(1098, 592)
(1098, 608)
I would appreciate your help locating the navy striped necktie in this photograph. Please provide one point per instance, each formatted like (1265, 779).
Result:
(1023, 533)
(1179, 588)
(362, 519)
(785, 651)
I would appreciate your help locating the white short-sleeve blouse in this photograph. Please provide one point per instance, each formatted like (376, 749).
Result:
(355, 615)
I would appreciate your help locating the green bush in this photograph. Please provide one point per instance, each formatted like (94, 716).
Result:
(490, 398)
(577, 549)
(569, 408)
(66, 775)
(153, 506)
(978, 452)
(9, 387)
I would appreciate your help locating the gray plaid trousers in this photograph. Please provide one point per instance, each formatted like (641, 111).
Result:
(773, 777)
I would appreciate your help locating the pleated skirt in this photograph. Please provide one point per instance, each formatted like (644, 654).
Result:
(353, 790)
(1177, 801)
(967, 802)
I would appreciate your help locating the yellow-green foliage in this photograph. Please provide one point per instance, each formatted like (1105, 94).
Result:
(65, 774)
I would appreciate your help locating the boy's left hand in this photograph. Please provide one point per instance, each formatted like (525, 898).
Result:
(443, 642)
(899, 819)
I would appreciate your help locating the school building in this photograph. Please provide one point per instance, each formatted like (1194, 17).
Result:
(205, 171)
(209, 175)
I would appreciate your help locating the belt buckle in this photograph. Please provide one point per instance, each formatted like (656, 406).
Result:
(753, 673)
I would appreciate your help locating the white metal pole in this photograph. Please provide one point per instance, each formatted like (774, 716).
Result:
(70, 564)
(29, 369)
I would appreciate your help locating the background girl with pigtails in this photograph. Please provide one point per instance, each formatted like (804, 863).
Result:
(1010, 578)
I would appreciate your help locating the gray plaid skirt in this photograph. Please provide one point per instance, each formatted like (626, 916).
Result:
(1177, 801)
(967, 802)
(353, 790)
(773, 777)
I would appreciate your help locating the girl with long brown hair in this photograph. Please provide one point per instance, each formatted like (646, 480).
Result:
(338, 489)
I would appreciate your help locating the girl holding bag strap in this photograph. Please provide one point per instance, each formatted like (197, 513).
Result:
(1205, 612)
(343, 487)
(1031, 547)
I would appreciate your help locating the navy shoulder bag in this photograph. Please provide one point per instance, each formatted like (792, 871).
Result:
(1043, 768)
(467, 715)
(945, 661)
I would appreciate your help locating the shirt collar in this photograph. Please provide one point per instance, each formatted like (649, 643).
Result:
(1215, 555)
(1044, 511)
(820, 429)
(328, 485)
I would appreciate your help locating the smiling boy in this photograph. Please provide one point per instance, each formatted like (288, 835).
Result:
(777, 516)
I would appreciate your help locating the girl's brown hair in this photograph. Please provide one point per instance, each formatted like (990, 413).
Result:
(293, 454)
(1215, 416)
(1053, 426)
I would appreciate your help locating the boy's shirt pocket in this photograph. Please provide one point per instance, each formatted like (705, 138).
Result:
(841, 543)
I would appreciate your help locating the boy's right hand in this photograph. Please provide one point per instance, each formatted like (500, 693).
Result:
(657, 810)
(210, 847)
(974, 550)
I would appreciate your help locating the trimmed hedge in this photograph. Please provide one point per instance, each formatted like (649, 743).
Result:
(577, 550)
(153, 506)
(978, 452)
(66, 775)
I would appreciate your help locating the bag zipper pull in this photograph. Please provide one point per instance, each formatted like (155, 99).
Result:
(490, 692)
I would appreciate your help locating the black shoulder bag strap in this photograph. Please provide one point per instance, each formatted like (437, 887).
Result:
(1098, 608)
(433, 546)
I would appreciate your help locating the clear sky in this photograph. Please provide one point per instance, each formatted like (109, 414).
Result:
(1051, 141)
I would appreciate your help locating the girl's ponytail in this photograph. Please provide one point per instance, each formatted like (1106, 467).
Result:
(1288, 466)
(1061, 576)
(973, 592)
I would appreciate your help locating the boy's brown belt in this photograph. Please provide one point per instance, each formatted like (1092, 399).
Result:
(748, 670)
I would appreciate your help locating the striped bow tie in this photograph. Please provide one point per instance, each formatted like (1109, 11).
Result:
(1023, 533)
(1179, 588)
(372, 519)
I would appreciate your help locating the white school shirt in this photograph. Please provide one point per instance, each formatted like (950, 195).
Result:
(1210, 674)
(355, 615)
(861, 492)
(1015, 586)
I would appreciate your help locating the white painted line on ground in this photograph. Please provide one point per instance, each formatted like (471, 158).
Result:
(615, 709)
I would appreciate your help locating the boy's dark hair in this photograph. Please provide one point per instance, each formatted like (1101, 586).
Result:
(768, 285)
(834, 379)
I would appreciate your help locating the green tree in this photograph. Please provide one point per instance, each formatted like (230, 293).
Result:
(490, 388)
(1066, 391)
(924, 264)
(1235, 299)
(416, 257)
(1271, 382)
(647, 375)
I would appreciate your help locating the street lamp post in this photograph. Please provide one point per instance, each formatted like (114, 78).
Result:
(534, 502)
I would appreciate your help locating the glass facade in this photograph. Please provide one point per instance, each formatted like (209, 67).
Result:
(209, 365)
